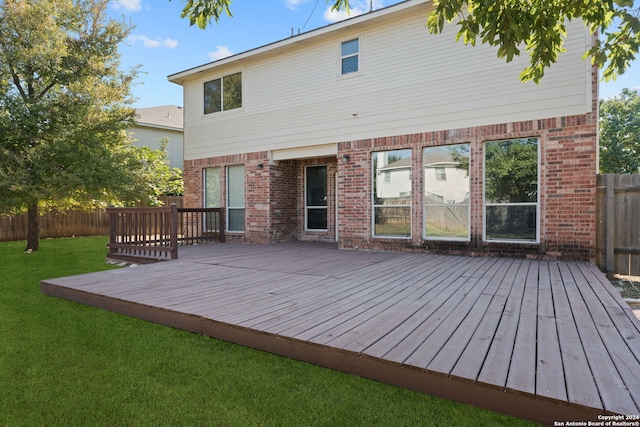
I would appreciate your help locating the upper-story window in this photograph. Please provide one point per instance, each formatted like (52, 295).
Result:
(350, 56)
(224, 93)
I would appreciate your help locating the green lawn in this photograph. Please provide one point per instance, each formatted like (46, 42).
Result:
(65, 364)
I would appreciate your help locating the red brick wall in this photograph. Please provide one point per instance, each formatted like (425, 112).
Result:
(274, 193)
(567, 189)
(284, 201)
(568, 165)
(257, 192)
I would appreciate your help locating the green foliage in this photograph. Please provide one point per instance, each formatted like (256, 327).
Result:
(66, 364)
(511, 171)
(64, 108)
(161, 179)
(200, 12)
(620, 133)
(537, 26)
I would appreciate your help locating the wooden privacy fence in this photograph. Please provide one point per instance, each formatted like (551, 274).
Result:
(618, 227)
(60, 223)
(55, 224)
(137, 234)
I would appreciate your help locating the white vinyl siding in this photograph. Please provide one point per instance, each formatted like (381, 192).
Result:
(414, 82)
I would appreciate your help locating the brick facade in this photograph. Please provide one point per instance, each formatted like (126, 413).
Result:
(567, 168)
(274, 193)
(567, 190)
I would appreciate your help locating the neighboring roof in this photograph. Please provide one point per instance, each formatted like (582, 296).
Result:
(438, 158)
(398, 164)
(181, 76)
(165, 117)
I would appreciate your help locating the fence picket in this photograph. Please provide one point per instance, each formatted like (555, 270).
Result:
(618, 224)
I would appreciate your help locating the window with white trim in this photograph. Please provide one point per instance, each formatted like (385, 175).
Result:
(392, 193)
(511, 203)
(446, 192)
(222, 94)
(350, 56)
(212, 196)
(315, 198)
(235, 198)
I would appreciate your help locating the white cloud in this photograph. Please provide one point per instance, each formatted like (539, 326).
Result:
(358, 7)
(128, 5)
(153, 43)
(294, 4)
(220, 53)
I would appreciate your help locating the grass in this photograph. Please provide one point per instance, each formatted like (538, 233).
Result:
(65, 364)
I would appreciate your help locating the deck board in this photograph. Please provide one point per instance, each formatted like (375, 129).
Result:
(610, 385)
(543, 340)
(496, 368)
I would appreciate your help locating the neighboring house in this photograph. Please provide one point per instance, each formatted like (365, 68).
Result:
(155, 123)
(293, 138)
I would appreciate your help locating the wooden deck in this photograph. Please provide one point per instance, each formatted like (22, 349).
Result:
(541, 340)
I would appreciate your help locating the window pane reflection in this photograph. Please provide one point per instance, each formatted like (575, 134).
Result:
(446, 192)
(511, 222)
(392, 193)
(447, 221)
(392, 221)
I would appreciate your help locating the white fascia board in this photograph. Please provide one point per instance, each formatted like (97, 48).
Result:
(155, 126)
(181, 77)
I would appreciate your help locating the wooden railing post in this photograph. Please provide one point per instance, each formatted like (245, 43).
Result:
(113, 223)
(223, 225)
(173, 223)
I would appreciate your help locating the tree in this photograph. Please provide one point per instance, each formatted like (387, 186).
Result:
(620, 133)
(64, 108)
(511, 171)
(161, 178)
(537, 26)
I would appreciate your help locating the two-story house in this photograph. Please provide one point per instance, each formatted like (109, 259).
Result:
(154, 124)
(375, 134)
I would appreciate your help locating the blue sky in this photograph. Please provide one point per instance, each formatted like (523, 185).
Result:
(162, 43)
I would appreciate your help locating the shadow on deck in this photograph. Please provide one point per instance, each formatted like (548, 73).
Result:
(541, 340)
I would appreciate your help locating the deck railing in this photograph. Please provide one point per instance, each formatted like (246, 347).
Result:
(155, 233)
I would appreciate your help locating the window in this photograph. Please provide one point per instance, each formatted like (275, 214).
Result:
(392, 197)
(235, 198)
(350, 56)
(223, 94)
(212, 196)
(316, 198)
(511, 190)
(446, 192)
